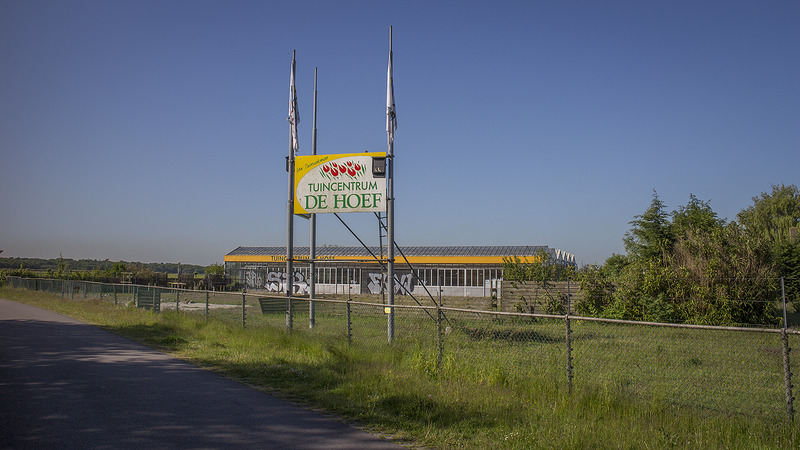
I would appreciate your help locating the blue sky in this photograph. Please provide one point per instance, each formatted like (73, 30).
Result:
(156, 130)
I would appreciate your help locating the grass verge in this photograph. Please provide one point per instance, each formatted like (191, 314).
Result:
(394, 390)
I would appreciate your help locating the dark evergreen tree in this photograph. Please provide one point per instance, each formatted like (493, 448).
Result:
(650, 237)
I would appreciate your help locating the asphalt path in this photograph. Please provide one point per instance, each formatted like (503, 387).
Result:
(66, 384)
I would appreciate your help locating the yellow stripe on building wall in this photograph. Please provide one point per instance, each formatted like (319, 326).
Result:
(463, 260)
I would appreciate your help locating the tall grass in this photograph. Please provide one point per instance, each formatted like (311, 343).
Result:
(476, 398)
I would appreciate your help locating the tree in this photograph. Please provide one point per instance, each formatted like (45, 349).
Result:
(770, 218)
(723, 276)
(215, 269)
(597, 287)
(615, 264)
(772, 214)
(651, 237)
(117, 269)
(540, 273)
(788, 265)
(697, 215)
(694, 268)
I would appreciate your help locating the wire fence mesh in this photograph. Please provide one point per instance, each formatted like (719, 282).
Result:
(716, 369)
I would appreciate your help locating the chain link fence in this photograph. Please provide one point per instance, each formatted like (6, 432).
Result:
(729, 370)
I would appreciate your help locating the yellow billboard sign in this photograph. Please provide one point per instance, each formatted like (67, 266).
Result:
(339, 183)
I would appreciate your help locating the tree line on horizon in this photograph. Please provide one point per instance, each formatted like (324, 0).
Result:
(66, 265)
(690, 266)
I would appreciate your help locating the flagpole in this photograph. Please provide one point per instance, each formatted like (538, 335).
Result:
(293, 147)
(313, 223)
(390, 124)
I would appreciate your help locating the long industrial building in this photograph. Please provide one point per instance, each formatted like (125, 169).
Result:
(470, 271)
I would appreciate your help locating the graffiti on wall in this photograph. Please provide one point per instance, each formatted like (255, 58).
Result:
(404, 284)
(275, 281)
(253, 279)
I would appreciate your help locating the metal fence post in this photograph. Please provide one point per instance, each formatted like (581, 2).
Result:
(244, 303)
(439, 343)
(349, 323)
(783, 297)
(177, 300)
(289, 314)
(207, 305)
(115, 295)
(787, 369)
(568, 339)
(787, 375)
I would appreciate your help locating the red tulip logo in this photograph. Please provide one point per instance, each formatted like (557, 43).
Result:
(349, 168)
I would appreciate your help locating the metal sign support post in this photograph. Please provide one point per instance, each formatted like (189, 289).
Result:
(293, 119)
(390, 198)
(390, 238)
(290, 245)
(312, 244)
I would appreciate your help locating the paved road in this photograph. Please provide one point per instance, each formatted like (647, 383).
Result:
(65, 384)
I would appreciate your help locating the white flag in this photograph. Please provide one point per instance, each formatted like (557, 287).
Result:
(391, 117)
(294, 115)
